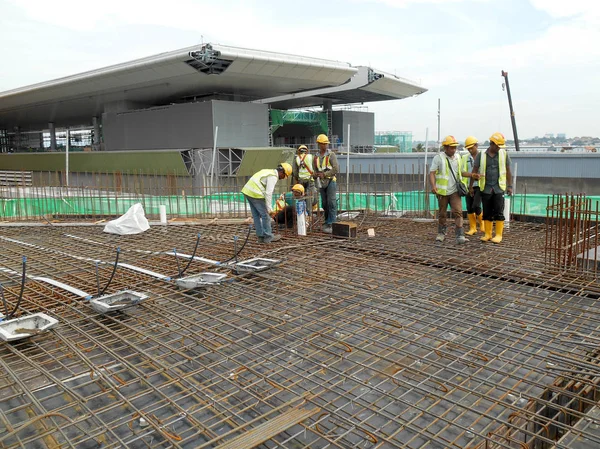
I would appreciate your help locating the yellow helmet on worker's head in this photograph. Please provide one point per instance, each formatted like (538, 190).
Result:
(322, 138)
(298, 188)
(302, 149)
(470, 141)
(498, 139)
(450, 141)
(287, 168)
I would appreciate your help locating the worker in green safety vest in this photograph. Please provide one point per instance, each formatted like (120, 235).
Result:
(444, 178)
(473, 200)
(303, 172)
(495, 181)
(259, 194)
(325, 167)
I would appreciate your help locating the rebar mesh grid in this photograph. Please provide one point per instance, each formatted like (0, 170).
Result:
(392, 341)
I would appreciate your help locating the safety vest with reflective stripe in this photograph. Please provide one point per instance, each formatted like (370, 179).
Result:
(256, 187)
(442, 176)
(326, 165)
(464, 167)
(304, 166)
(501, 168)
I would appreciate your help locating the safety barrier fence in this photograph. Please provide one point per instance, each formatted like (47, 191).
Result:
(91, 203)
(100, 195)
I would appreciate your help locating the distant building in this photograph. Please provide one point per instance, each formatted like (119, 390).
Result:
(561, 136)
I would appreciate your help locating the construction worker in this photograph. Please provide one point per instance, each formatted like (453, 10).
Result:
(259, 193)
(302, 173)
(285, 206)
(495, 180)
(473, 199)
(325, 167)
(443, 177)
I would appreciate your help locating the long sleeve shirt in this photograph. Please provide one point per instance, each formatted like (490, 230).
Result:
(271, 183)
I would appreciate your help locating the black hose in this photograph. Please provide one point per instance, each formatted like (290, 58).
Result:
(191, 258)
(11, 314)
(4, 301)
(113, 272)
(236, 253)
(177, 259)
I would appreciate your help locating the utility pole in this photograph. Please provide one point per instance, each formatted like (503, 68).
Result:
(438, 141)
(512, 112)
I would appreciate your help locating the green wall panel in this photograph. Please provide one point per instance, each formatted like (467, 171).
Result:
(143, 162)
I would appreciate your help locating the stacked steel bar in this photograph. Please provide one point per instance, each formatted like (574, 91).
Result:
(391, 341)
(572, 241)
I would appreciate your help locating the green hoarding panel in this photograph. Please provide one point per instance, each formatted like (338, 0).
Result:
(232, 202)
(142, 162)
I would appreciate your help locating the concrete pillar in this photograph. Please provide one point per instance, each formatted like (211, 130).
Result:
(96, 139)
(52, 136)
(18, 138)
(41, 144)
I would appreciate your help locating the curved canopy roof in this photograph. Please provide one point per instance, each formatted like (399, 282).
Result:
(194, 73)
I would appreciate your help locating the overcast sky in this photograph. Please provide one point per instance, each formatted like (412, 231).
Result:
(455, 48)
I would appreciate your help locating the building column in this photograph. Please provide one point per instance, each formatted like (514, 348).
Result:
(52, 136)
(96, 137)
(17, 138)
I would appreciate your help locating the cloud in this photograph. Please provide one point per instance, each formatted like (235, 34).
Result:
(588, 10)
(406, 3)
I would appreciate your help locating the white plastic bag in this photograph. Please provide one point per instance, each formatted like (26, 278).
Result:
(506, 212)
(132, 222)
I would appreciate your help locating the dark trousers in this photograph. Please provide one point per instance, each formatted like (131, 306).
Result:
(474, 202)
(493, 206)
(310, 191)
(329, 202)
(286, 216)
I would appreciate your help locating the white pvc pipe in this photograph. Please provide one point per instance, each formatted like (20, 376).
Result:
(162, 210)
(214, 157)
(425, 161)
(348, 170)
(67, 158)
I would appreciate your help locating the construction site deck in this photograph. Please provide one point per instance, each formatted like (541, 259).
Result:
(391, 341)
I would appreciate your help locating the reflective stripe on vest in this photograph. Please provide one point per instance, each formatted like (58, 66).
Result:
(256, 187)
(501, 169)
(442, 176)
(280, 203)
(326, 165)
(465, 168)
(304, 166)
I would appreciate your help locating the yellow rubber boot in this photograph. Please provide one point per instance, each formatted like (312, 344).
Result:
(472, 224)
(499, 231)
(488, 230)
(480, 221)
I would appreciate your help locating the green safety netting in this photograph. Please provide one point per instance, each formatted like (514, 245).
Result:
(315, 120)
(233, 203)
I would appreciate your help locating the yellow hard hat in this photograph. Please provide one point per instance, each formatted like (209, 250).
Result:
(498, 139)
(450, 141)
(287, 168)
(322, 138)
(298, 188)
(302, 149)
(470, 141)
